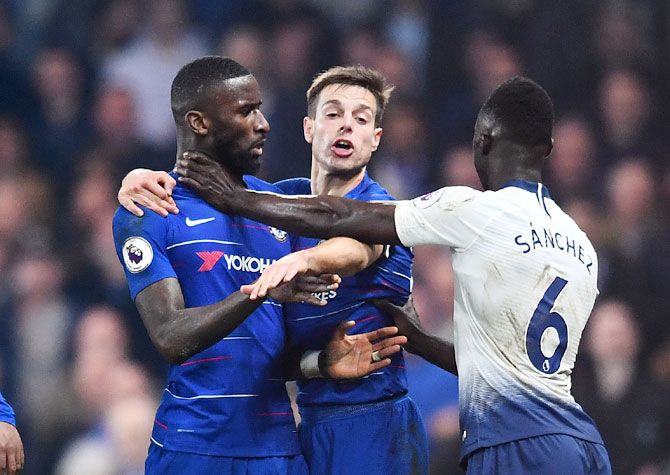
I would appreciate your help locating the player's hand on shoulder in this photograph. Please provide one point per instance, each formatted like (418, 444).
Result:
(405, 318)
(354, 356)
(303, 289)
(11, 449)
(283, 270)
(151, 189)
(207, 177)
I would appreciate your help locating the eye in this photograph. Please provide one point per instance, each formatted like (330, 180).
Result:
(331, 115)
(362, 120)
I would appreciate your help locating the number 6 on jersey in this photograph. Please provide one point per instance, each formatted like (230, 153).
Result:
(547, 333)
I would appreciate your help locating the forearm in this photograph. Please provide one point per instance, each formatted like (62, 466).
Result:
(433, 349)
(342, 256)
(319, 216)
(179, 333)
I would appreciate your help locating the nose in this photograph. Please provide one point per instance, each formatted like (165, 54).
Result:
(262, 125)
(347, 122)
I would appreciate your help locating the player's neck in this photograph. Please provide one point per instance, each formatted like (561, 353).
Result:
(518, 173)
(325, 183)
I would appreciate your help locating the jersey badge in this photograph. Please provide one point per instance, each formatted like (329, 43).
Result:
(137, 254)
(278, 234)
(428, 200)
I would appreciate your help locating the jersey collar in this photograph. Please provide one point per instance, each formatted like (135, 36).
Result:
(531, 186)
(360, 188)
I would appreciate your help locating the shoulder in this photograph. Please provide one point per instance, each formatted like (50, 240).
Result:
(370, 190)
(448, 198)
(295, 186)
(127, 224)
(256, 184)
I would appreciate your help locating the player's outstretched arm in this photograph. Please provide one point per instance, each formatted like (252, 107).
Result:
(317, 216)
(11, 449)
(431, 348)
(351, 356)
(151, 189)
(179, 333)
(343, 256)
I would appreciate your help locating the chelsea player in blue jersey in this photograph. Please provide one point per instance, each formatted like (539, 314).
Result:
(11, 447)
(225, 407)
(369, 425)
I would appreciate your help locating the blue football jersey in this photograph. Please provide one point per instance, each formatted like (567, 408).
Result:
(310, 327)
(229, 399)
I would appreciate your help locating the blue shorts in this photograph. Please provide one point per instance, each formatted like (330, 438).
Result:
(551, 454)
(382, 437)
(169, 462)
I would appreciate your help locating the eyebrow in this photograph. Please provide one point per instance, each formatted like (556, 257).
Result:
(243, 103)
(336, 102)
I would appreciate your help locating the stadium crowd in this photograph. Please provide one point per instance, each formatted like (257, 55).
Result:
(84, 98)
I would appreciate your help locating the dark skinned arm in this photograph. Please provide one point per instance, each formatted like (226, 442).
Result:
(318, 216)
(431, 348)
(179, 333)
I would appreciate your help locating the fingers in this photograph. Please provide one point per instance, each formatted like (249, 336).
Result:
(21, 458)
(384, 345)
(190, 182)
(130, 206)
(265, 284)
(380, 333)
(332, 278)
(155, 187)
(306, 283)
(306, 297)
(11, 463)
(151, 201)
(168, 183)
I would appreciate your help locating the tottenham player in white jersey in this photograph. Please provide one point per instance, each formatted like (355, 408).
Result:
(525, 278)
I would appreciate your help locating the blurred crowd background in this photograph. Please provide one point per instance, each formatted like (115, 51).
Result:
(84, 98)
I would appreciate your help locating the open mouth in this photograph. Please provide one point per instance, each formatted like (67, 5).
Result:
(342, 148)
(258, 148)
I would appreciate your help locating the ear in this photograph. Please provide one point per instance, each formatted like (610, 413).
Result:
(550, 147)
(376, 138)
(308, 129)
(197, 122)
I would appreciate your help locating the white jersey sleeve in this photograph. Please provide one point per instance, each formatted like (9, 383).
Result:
(445, 216)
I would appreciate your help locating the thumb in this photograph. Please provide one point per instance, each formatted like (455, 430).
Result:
(343, 327)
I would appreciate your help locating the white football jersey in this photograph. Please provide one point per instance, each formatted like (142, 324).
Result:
(525, 283)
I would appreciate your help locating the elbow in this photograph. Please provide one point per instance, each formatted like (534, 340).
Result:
(171, 349)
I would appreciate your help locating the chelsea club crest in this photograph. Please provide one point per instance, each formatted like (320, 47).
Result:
(278, 234)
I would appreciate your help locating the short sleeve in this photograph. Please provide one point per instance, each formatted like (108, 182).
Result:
(141, 246)
(449, 216)
(6, 412)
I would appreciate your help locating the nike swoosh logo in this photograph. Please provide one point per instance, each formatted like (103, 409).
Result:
(194, 222)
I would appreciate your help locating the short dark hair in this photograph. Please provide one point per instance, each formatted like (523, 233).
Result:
(195, 81)
(368, 78)
(524, 110)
